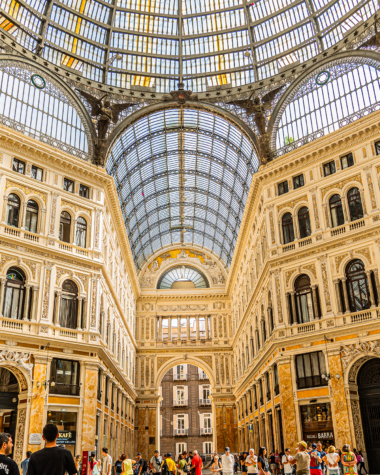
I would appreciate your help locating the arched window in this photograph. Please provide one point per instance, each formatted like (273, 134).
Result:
(65, 227)
(31, 218)
(81, 234)
(304, 300)
(287, 228)
(355, 204)
(304, 222)
(14, 294)
(69, 305)
(336, 210)
(357, 284)
(13, 210)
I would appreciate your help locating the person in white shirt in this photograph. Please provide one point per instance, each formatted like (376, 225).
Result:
(286, 462)
(251, 462)
(228, 462)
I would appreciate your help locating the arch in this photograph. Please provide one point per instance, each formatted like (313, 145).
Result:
(16, 62)
(358, 56)
(17, 263)
(69, 276)
(183, 359)
(201, 278)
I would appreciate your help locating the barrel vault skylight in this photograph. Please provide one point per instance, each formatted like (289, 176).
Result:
(182, 176)
(158, 43)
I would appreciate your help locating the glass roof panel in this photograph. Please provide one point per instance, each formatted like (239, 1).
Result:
(180, 185)
(199, 42)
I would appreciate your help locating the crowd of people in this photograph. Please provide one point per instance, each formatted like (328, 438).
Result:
(308, 460)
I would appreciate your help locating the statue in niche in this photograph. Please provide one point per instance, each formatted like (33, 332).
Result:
(183, 255)
(103, 113)
(258, 108)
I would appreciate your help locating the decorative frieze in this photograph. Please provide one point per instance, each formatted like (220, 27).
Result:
(292, 203)
(350, 352)
(341, 184)
(26, 189)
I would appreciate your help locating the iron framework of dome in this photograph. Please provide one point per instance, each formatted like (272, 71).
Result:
(182, 274)
(202, 43)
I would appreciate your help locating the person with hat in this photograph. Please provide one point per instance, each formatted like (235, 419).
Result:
(228, 462)
(172, 469)
(141, 465)
(315, 460)
(302, 459)
(156, 462)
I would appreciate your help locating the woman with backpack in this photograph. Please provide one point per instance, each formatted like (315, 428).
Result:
(182, 465)
(216, 466)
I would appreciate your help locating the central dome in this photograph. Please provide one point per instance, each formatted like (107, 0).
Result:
(202, 43)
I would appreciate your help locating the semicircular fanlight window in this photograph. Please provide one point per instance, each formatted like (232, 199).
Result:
(183, 277)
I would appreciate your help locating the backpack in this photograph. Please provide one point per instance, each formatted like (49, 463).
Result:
(165, 468)
(144, 467)
(186, 468)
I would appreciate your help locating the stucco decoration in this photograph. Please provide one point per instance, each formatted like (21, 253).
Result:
(358, 428)
(215, 273)
(20, 359)
(19, 439)
(349, 352)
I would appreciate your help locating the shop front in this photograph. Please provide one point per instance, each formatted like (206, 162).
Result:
(317, 424)
(67, 426)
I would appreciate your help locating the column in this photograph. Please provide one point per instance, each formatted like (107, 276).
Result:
(288, 312)
(293, 298)
(338, 400)
(269, 319)
(179, 328)
(376, 273)
(2, 295)
(57, 308)
(345, 211)
(85, 316)
(207, 327)
(89, 406)
(41, 226)
(345, 293)
(197, 326)
(315, 300)
(169, 328)
(79, 314)
(22, 221)
(159, 329)
(338, 297)
(188, 328)
(371, 291)
(34, 303)
(26, 302)
(38, 400)
(287, 404)
(362, 197)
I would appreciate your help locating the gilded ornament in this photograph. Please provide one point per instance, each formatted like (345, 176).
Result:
(292, 203)
(371, 190)
(45, 298)
(26, 189)
(366, 253)
(75, 207)
(341, 184)
(93, 303)
(311, 268)
(272, 227)
(278, 297)
(288, 275)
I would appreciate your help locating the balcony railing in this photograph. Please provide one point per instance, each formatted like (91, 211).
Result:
(203, 376)
(204, 402)
(180, 432)
(180, 402)
(179, 377)
(206, 430)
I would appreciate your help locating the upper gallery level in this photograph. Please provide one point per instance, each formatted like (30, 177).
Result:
(66, 271)
(307, 259)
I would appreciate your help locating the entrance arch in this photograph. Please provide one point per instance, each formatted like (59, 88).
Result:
(368, 381)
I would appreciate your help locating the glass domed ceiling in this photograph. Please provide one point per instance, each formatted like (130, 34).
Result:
(158, 43)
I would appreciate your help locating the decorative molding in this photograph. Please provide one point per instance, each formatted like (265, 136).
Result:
(341, 184)
(18, 358)
(350, 352)
(292, 203)
(183, 308)
(26, 189)
(75, 207)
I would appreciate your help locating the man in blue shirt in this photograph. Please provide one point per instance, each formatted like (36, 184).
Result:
(315, 461)
(25, 463)
(322, 454)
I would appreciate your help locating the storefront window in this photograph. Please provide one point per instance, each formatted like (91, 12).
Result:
(67, 426)
(64, 377)
(317, 424)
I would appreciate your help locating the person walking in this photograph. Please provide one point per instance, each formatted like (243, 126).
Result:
(302, 459)
(172, 469)
(216, 466)
(127, 465)
(331, 460)
(361, 463)
(315, 461)
(322, 454)
(7, 465)
(141, 465)
(228, 462)
(182, 465)
(251, 462)
(263, 462)
(197, 463)
(107, 462)
(244, 468)
(156, 463)
(286, 462)
(348, 461)
(118, 465)
(25, 463)
(51, 459)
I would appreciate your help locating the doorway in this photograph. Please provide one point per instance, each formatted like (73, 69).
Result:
(369, 398)
(9, 392)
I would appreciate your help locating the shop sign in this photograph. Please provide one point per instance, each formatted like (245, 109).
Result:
(84, 462)
(328, 435)
(67, 437)
(35, 439)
